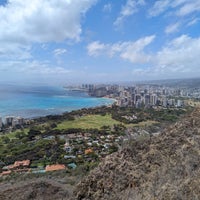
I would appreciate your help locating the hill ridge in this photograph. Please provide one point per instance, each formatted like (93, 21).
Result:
(165, 166)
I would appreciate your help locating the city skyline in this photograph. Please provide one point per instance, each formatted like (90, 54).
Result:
(67, 41)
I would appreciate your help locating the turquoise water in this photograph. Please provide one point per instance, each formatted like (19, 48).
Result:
(29, 102)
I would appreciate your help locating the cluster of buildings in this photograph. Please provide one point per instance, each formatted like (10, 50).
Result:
(143, 95)
(88, 146)
(79, 147)
(17, 167)
(145, 98)
(13, 122)
(24, 167)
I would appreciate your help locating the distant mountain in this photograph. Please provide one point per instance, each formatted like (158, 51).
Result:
(185, 83)
(166, 166)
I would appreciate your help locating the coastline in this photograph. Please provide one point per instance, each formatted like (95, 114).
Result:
(114, 100)
(92, 107)
(60, 113)
(33, 102)
(27, 121)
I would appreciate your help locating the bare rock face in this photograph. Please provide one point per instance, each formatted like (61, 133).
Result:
(166, 166)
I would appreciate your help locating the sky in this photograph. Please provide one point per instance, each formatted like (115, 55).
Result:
(96, 41)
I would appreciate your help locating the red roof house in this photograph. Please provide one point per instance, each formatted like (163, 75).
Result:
(54, 167)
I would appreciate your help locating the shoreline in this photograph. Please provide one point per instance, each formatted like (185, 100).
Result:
(108, 104)
(93, 107)
(27, 121)
(49, 105)
(114, 100)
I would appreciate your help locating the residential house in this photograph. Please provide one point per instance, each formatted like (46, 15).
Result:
(54, 167)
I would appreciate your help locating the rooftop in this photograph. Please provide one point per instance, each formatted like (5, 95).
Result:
(55, 167)
(22, 163)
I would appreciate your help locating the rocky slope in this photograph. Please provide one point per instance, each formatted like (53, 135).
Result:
(40, 189)
(166, 166)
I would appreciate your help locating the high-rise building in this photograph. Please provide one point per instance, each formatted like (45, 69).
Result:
(147, 100)
(137, 97)
(17, 121)
(179, 103)
(171, 102)
(9, 120)
(164, 101)
(153, 99)
(20, 120)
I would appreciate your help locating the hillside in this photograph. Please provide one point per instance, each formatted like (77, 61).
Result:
(57, 185)
(166, 166)
(40, 189)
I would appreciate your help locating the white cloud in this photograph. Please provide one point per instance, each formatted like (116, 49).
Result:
(181, 7)
(159, 7)
(180, 52)
(14, 51)
(193, 21)
(24, 22)
(127, 10)
(179, 58)
(38, 72)
(176, 3)
(32, 67)
(107, 7)
(95, 48)
(134, 52)
(172, 28)
(58, 52)
(189, 7)
(131, 51)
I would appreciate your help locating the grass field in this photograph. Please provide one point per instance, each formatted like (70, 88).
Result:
(88, 121)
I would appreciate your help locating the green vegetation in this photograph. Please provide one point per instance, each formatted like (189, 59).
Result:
(43, 141)
(88, 122)
(165, 115)
(26, 147)
(13, 135)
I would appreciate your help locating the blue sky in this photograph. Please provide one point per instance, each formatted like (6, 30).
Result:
(74, 41)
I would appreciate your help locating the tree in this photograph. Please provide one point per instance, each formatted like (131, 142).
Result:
(5, 139)
(32, 133)
(20, 135)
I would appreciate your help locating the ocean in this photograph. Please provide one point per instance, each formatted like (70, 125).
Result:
(35, 101)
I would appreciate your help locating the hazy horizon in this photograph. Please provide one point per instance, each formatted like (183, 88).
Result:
(79, 83)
